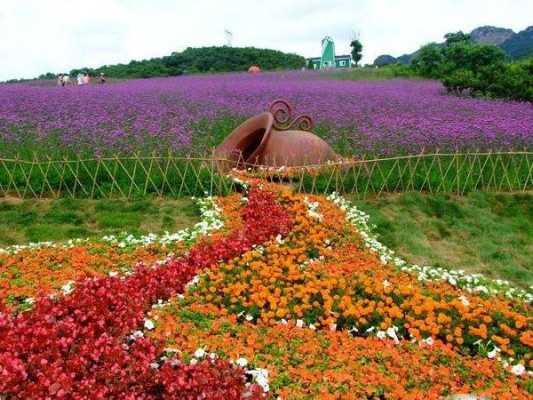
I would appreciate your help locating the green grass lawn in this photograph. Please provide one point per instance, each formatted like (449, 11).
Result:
(480, 232)
(372, 73)
(62, 219)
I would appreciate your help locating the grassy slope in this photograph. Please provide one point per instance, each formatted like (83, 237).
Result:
(481, 232)
(372, 73)
(42, 220)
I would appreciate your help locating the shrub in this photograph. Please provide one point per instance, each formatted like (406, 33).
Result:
(479, 69)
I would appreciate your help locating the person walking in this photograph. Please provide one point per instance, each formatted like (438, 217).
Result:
(79, 79)
(102, 78)
(60, 80)
(86, 79)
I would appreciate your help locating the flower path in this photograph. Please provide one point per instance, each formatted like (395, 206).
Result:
(289, 297)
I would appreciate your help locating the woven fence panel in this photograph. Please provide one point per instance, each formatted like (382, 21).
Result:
(111, 177)
(176, 176)
(433, 173)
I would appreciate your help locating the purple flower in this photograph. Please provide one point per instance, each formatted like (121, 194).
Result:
(380, 117)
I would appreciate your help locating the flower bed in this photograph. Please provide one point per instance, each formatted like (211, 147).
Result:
(295, 297)
(78, 345)
(47, 267)
(374, 117)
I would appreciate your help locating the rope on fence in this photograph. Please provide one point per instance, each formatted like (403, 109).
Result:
(176, 176)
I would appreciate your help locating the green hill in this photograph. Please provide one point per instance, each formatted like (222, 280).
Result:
(520, 45)
(203, 59)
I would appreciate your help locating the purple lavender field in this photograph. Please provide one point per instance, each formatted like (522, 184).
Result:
(193, 112)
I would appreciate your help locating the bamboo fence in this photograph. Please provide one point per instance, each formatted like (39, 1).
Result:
(176, 176)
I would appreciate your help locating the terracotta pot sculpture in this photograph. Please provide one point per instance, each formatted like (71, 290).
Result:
(272, 139)
(254, 69)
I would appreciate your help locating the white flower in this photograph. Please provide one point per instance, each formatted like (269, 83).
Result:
(464, 300)
(136, 335)
(299, 323)
(518, 369)
(391, 332)
(68, 287)
(211, 216)
(469, 282)
(199, 353)
(149, 324)
(241, 362)
(333, 327)
(386, 283)
(194, 361)
(312, 209)
(429, 341)
(261, 378)
(481, 289)
(381, 335)
(193, 282)
(493, 353)
(170, 350)
(353, 330)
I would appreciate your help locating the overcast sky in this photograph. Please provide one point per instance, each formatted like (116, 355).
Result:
(37, 36)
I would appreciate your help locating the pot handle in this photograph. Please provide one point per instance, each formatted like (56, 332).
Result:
(281, 110)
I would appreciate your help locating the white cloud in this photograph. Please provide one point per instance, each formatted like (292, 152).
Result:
(58, 35)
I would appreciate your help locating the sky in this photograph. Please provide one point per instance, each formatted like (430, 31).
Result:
(38, 36)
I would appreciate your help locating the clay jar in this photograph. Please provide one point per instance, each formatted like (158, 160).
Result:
(272, 139)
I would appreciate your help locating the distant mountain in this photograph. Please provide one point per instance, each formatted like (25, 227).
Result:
(384, 59)
(515, 45)
(519, 45)
(491, 35)
(407, 58)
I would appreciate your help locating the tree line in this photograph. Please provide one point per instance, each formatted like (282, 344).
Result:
(196, 60)
(465, 67)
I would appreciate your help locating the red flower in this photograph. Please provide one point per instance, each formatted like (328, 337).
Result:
(76, 347)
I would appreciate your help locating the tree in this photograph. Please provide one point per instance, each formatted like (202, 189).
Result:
(471, 56)
(456, 37)
(48, 75)
(429, 60)
(357, 49)
(477, 69)
(205, 59)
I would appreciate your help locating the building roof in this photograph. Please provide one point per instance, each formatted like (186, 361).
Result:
(341, 57)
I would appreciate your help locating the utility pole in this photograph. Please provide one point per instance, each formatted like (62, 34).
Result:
(229, 37)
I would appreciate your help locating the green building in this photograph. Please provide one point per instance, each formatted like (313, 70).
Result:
(328, 59)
